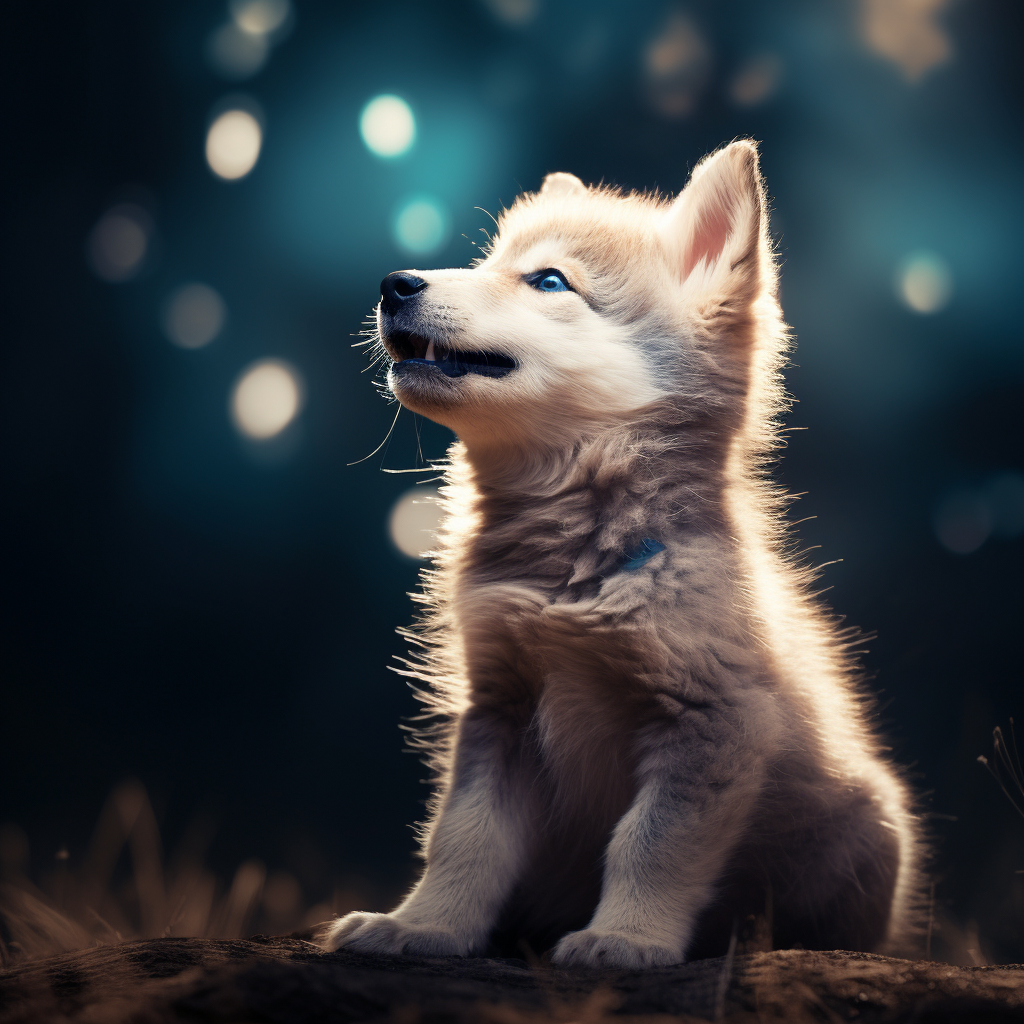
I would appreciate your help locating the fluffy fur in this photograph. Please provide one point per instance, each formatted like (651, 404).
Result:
(633, 764)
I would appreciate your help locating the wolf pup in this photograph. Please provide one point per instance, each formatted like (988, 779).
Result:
(650, 732)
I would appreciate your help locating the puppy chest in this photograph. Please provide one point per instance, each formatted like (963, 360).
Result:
(584, 737)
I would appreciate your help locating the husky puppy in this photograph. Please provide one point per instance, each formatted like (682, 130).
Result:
(651, 734)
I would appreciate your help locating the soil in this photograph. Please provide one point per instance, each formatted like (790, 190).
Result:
(290, 980)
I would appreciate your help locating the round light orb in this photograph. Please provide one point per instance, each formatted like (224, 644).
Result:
(421, 226)
(924, 282)
(233, 144)
(757, 80)
(259, 17)
(415, 520)
(267, 397)
(387, 126)
(117, 245)
(193, 316)
(514, 12)
(234, 53)
(962, 522)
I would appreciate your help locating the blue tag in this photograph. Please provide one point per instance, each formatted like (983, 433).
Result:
(643, 554)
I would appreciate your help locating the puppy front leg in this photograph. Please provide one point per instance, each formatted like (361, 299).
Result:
(662, 863)
(474, 855)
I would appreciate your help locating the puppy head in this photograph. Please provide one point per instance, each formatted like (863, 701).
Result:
(589, 306)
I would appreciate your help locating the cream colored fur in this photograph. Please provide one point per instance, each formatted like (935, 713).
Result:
(633, 764)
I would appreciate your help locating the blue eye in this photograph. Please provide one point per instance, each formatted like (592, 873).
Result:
(549, 281)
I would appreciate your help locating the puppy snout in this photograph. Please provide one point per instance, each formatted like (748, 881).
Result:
(398, 288)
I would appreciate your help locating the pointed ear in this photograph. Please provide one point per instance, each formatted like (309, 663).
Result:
(716, 234)
(560, 185)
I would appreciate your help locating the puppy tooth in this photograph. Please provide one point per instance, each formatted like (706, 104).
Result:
(430, 352)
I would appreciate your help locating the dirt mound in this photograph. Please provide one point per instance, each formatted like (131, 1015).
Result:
(292, 981)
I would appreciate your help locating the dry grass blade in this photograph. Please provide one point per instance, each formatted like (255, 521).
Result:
(121, 890)
(1006, 758)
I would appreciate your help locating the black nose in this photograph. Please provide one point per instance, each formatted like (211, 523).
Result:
(399, 287)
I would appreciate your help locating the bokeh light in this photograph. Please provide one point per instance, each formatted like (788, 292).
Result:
(240, 48)
(678, 62)
(414, 521)
(117, 246)
(756, 81)
(907, 33)
(236, 54)
(516, 13)
(967, 516)
(962, 522)
(387, 126)
(421, 226)
(233, 144)
(267, 397)
(924, 282)
(193, 316)
(259, 17)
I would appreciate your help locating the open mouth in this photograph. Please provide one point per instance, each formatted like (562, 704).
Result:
(413, 351)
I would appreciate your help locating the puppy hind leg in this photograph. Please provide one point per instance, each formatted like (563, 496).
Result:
(841, 894)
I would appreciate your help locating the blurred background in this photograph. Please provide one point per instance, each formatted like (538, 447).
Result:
(205, 565)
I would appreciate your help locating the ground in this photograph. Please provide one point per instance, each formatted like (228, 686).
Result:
(289, 980)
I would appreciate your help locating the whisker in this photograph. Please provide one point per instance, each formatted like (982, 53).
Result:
(387, 437)
(418, 422)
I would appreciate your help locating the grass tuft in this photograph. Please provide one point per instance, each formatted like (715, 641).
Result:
(124, 888)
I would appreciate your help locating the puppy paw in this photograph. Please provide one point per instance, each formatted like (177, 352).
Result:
(385, 933)
(593, 948)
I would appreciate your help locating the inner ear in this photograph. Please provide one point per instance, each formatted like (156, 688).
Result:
(711, 230)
